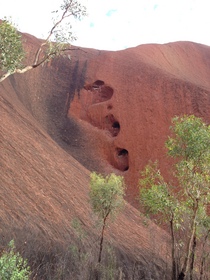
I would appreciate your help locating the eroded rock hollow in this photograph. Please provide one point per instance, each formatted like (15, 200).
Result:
(129, 98)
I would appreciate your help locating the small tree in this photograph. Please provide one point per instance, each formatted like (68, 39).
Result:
(11, 49)
(13, 266)
(158, 198)
(190, 146)
(106, 198)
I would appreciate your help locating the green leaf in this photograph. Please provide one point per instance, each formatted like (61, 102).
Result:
(106, 194)
(11, 49)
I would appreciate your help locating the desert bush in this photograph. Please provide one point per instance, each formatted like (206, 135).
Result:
(12, 265)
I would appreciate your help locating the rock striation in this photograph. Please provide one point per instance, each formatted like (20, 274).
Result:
(130, 96)
(103, 111)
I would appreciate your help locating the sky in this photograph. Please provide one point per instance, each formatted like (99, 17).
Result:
(118, 24)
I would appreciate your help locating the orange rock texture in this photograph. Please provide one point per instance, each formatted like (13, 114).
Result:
(130, 96)
(45, 162)
(103, 111)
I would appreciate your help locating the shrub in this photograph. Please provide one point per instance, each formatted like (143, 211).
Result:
(12, 265)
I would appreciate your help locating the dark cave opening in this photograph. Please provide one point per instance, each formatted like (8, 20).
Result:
(122, 159)
(112, 125)
(116, 125)
(98, 83)
(122, 152)
(115, 128)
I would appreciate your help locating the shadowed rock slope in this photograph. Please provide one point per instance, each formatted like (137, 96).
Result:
(103, 111)
(43, 190)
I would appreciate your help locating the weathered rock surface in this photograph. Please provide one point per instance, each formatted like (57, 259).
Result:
(130, 96)
(101, 110)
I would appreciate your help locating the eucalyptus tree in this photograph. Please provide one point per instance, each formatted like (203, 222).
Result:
(56, 43)
(106, 198)
(158, 199)
(184, 204)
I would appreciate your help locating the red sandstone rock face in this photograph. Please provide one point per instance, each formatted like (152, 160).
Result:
(129, 99)
(119, 104)
(111, 111)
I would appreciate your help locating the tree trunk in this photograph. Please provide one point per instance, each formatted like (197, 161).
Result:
(186, 264)
(97, 269)
(203, 256)
(173, 253)
(193, 258)
(102, 237)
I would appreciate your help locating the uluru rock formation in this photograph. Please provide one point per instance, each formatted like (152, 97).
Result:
(130, 96)
(103, 111)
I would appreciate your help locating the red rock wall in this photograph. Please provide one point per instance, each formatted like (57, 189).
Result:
(129, 99)
(119, 105)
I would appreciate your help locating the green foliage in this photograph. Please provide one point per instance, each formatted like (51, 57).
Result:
(56, 43)
(79, 231)
(13, 266)
(109, 270)
(106, 194)
(70, 8)
(186, 207)
(11, 49)
(157, 197)
(190, 140)
(61, 32)
(77, 250)
(106, 197)
(191, 145)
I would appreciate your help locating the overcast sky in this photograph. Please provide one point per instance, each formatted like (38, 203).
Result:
(119, 24)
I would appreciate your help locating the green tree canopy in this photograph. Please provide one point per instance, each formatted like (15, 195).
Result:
(185, 205)
(56, 43)
(12, 265)
(106, 198)
(106, 194)
(11, 49)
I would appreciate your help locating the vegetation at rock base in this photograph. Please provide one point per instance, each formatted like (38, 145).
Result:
(11, 48)
(183, 207)
(12, 265)
(78, 258)
(106, 198)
